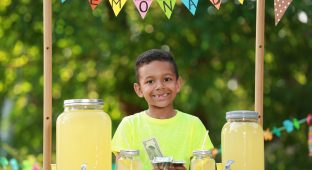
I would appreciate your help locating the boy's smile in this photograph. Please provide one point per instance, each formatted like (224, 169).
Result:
(158, 84)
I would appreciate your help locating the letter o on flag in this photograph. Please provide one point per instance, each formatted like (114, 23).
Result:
(144, 5)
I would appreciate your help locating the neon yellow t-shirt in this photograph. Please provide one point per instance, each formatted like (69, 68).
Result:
(177, 136)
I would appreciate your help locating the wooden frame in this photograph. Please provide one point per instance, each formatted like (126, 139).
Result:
(47, 98)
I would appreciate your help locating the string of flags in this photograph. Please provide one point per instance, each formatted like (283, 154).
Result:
(167, 6)
(13, 164)
(289, 126)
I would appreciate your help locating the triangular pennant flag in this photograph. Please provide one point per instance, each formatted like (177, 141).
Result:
(216, 3)
(309, 118)
(276, 131)
(288, 125)
(94, 3)
(267, 135)
(191, 5)
(241, 1)
(280, 6)
(63, 1)
(117, 5)
(142, 6)
(167, 6)
(296, 123)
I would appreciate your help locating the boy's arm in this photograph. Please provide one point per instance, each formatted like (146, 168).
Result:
(122, 136)
(199, 134)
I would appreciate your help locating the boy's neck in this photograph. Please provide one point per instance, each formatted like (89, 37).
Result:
(161, 113)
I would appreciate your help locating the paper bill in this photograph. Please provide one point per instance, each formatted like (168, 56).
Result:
(152, 148)
(162, 162)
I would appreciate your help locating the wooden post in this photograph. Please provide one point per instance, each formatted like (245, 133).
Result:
(260, 23)
(47, 86)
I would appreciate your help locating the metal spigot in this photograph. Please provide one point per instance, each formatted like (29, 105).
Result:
(83, 166)
(228, 164)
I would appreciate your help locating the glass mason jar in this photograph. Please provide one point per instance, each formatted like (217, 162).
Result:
(202, 160)
(83, 136)
(242, 141)
(129, 160)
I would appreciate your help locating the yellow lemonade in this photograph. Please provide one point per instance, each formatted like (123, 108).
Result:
(242, 141)
(129, 165)
(129, 160)
(203, 164)
(202, 160)
(83, 138)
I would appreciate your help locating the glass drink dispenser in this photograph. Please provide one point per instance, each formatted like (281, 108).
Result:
(83, 136)
(242, 141)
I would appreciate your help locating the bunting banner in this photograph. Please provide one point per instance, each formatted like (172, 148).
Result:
(289, 126)
(142, 6)
(167, 6)
(191, 5)
(117, 5)
(280, 6)
(216, 3)
(94, 3)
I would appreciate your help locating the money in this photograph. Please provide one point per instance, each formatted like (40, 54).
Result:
(162, 162)
(152, 148)
(167, 163)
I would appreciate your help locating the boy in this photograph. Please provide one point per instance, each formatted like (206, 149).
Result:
(176, 133)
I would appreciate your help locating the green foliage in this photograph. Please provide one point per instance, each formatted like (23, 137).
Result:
(94, 54)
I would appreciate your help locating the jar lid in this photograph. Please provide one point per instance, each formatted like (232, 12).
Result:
(72, 102)
(129, 152)
(238, 114)
(202, 152)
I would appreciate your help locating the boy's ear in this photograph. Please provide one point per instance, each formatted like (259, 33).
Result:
(179, 84)
(137, 89)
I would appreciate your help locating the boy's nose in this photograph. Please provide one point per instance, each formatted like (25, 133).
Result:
(159, 85)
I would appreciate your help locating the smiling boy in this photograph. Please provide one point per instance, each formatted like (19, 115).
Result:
(177, 133)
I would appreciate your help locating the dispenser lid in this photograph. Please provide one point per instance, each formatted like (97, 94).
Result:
(129, 152)
(72, 102)
(238, 114)
(202, 152)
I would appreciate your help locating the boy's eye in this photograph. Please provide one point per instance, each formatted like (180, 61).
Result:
(149, 82)
(167, 79)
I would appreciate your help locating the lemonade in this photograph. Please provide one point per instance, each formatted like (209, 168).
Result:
(129, 160)
(83, 136)
(242, 141)
(129, 165)
(202, 160)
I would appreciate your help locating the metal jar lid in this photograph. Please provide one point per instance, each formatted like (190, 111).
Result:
(75, 102)
(129, 152)
(239, 114)
(202, 152)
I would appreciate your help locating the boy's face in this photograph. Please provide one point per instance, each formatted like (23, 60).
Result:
(158, 84)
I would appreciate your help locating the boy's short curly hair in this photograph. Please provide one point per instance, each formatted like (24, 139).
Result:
(155, 55)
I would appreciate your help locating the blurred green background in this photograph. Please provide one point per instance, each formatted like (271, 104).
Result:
(94, 54)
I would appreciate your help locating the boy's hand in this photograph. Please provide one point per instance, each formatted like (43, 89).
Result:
(172, 168)
(178, 168)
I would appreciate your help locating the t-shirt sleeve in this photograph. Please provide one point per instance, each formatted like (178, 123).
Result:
(122, 137)
(199, 133)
